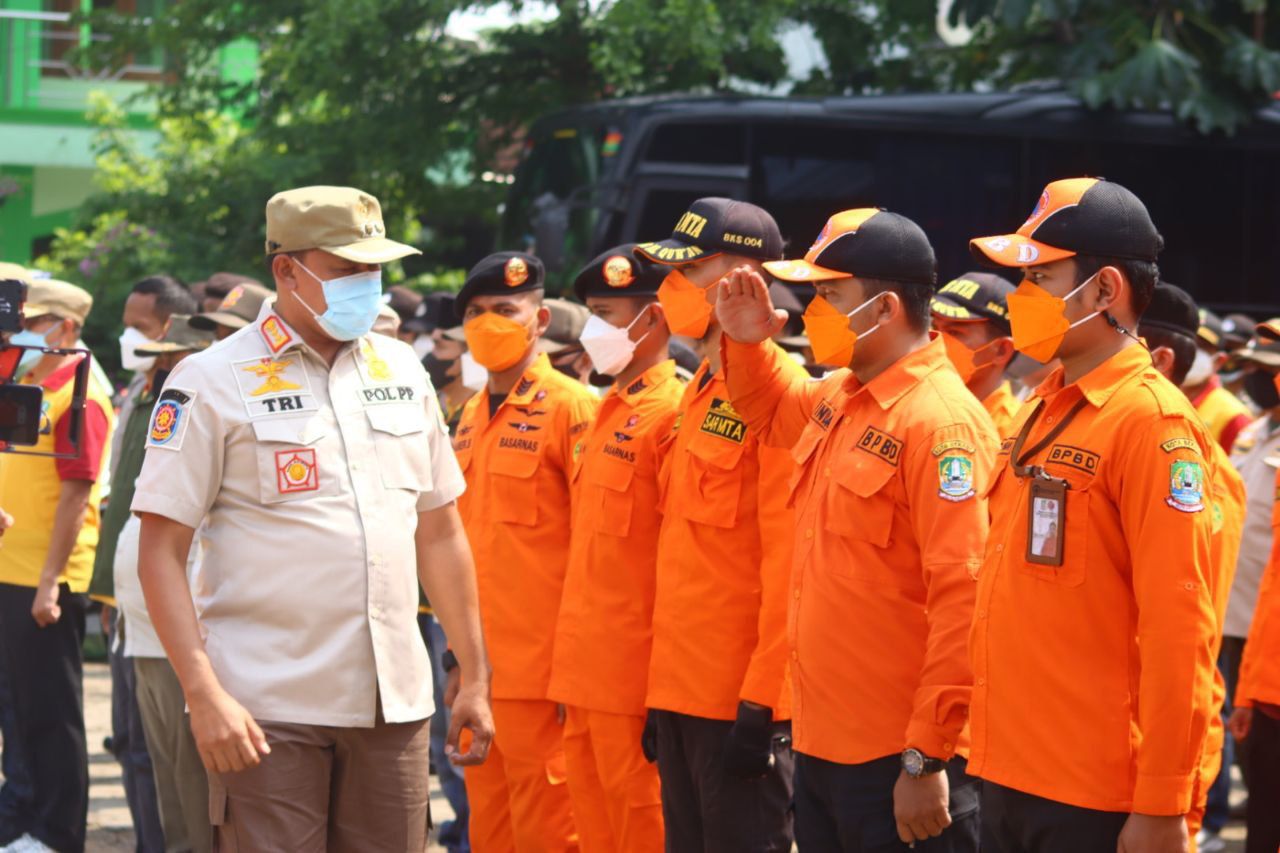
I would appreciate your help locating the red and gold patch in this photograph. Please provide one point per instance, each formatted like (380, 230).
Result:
(516, 272)
(275, 334)
(296, 471)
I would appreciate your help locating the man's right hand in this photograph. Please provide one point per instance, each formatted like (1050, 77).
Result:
(470, 710)
(228, 738)
(744, 309)
(1240, 723)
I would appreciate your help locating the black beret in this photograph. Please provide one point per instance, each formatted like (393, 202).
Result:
(499, 274)
(620, 272)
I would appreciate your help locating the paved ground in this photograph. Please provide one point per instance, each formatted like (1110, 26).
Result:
(109, 825)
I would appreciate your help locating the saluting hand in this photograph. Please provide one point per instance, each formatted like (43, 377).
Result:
(227, 736)
(744, 309)
(470, 710)
(920, 806)
(1144, 833)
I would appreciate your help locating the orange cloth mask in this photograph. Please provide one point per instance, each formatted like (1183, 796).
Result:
(1039, 320)
(686, 306)
(496, 342)
(829, 334)
(964, 359)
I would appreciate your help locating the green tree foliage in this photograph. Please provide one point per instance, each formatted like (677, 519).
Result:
(377, 94)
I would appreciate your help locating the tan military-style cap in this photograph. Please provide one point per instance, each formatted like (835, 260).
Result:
(181, 337)
(239, 308)
(14, 272)
(567, 321)
(340, 220)
(48, 296)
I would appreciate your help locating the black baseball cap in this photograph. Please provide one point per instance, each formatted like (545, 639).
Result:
(1173, 310)
(1237, 330)
(866, 242)
(716, 226)
(1076, 216)
(434, 312)
(619, 272)
(499, 274)
(975, 296)
(1209, 329)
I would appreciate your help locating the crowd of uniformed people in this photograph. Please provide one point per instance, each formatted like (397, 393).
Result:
(731, 549)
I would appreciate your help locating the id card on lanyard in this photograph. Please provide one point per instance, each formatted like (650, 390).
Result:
(1047, 496)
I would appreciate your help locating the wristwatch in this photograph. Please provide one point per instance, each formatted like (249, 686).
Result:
(917, 764)
(448, 661)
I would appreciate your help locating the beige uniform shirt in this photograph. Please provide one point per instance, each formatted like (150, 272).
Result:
(1254, 455)
(308, 480)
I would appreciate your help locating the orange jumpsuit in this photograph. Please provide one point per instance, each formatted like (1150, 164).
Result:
(604, 630)
(890, 532)
(1093, 680)
(516, 511)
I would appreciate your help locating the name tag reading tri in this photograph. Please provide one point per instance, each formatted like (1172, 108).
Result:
(270, 386)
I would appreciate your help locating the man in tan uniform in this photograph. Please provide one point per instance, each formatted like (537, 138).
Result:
(315, 456)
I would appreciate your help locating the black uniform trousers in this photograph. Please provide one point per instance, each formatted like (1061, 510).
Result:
(43, 669)
(1017, 822)
(849, 808)
(1263, 748)
(707, 810)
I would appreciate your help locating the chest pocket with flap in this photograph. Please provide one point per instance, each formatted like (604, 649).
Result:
(291, 463)
(514, 486)
(400, 442)
(713, 491)
(608, 492)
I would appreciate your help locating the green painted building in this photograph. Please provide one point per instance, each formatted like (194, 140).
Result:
(46, 155)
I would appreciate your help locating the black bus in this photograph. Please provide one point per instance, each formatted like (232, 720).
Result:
(961, 165)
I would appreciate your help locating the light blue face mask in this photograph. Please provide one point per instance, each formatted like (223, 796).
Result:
(353, 300)
(28, 338)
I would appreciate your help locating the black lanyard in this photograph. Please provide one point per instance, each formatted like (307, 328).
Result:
(1017, 457)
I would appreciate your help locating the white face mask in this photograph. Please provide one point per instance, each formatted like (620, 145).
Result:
(474, 377)
(1201, 370)
(610, 348)
(423, 345)
(129, 341)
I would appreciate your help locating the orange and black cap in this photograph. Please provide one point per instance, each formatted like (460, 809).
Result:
(975, 296)
(500, 274)
(1076, 216)
(620, 272)
(717, 226)
(1209, 330)
(866, 243)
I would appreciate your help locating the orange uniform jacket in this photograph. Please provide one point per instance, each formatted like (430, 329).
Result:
(605, 627)
(1093, 680)
(1260, 668)
(1228, 526)
(889, 535)
(1003, 407)
(516, 511)
(724, 559)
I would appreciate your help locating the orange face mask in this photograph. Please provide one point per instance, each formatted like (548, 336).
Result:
(1039, 320)
(496, 342)
(964, 360)
(686, 306)
(830, 337)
